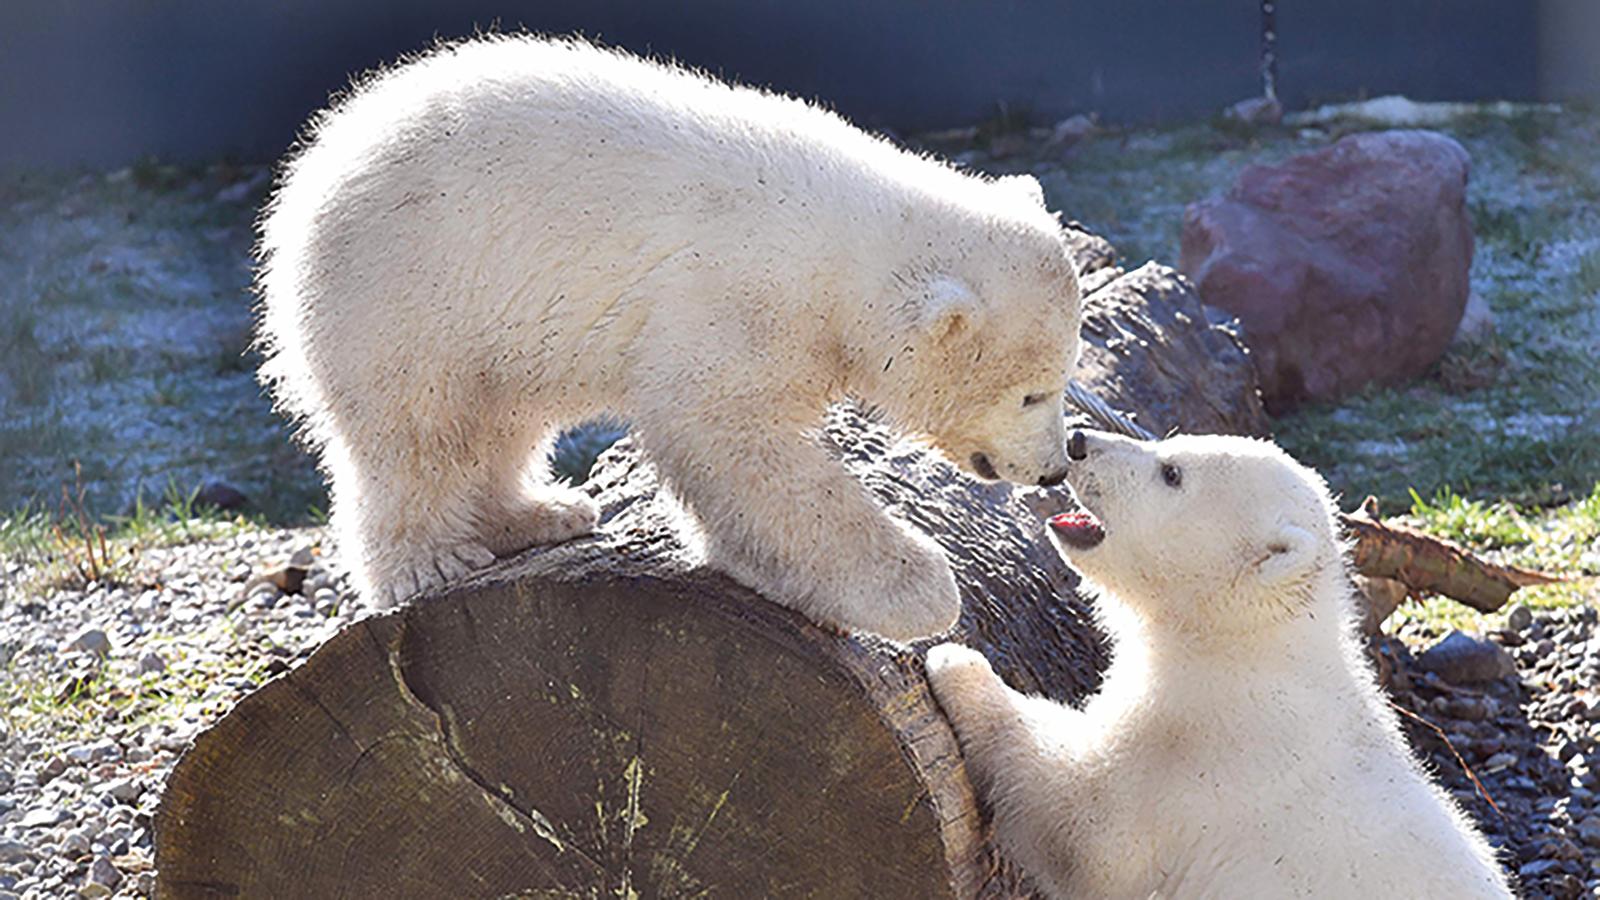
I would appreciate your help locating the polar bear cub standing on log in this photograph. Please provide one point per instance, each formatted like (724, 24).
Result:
(510, 235)
(1239, 747)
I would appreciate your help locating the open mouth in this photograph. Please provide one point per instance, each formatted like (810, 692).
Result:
(1080, 530)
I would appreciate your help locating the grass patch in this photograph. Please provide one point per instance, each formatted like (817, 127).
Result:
(1471, 522)
(1562, 540)
(75, 706)
(71, 546)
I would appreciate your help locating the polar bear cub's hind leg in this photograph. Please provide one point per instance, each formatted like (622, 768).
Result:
(418, 518)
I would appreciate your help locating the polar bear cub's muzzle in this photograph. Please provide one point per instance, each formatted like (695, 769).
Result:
(1083, 528)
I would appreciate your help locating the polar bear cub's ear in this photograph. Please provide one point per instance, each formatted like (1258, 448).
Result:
(1289, 554)
(949, 308)
(1026, 185)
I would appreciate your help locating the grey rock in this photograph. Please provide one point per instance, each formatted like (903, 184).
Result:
(1538, 867)
(89, 640)
(1520, 618)
(14, 851)
(220, 495)
(1477, 321)
(1589, 830)
(287, 578)
(1070, 131)
(125, 789)
(103, 871)
(43, 817)
(1346, 265)
(1255, 111)
(1500, 761)
(145, 605)
(52, 769)
(152, 663)
(1469, 709)
(75, 844)
(1461, 659)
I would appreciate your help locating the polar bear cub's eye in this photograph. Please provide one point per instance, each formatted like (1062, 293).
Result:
(1034, 399)
(1171, 474)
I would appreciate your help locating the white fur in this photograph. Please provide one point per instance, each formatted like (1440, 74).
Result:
(509, 235)
(1239, 747)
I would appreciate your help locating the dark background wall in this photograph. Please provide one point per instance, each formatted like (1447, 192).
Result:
(104, 82)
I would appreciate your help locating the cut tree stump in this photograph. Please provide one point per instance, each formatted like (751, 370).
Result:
(610, 718)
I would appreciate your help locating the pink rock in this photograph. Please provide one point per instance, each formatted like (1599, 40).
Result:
(1344, 266)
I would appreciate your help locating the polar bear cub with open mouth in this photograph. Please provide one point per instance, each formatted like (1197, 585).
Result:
(510, 235)
(1239, 747)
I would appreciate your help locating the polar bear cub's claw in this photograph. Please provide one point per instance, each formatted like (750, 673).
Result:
(426, 571)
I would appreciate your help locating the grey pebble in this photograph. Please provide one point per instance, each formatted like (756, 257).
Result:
(43, 817)
(52, 769)
(102, 871)
(125, 789)
(1462, 659)
(1538, 867)
(75, 844)
(89, 640)
(1589, 830)
(1519, 618)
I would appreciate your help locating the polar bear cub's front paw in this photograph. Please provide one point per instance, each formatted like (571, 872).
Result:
(949, 666)
(911, 595)
(428, 569)
(546, 514)
(965, 685)
(952, 660)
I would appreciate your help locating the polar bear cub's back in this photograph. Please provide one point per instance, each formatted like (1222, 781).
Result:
(504, 237)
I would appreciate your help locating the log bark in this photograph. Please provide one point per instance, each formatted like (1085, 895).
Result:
(1426, 564)
(1151, 347)
(609, 717)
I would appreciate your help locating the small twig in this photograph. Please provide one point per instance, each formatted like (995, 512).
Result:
(1482, 791)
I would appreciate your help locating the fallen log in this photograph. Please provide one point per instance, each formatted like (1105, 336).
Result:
(1426, 564)
(608, 717)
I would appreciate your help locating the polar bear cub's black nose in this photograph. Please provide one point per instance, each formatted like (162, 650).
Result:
(1053, 479)
(1077, 446)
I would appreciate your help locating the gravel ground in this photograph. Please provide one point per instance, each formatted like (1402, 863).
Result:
(1532, 738)
(108, 684)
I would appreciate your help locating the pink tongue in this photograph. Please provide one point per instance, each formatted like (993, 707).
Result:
(1071, 520)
